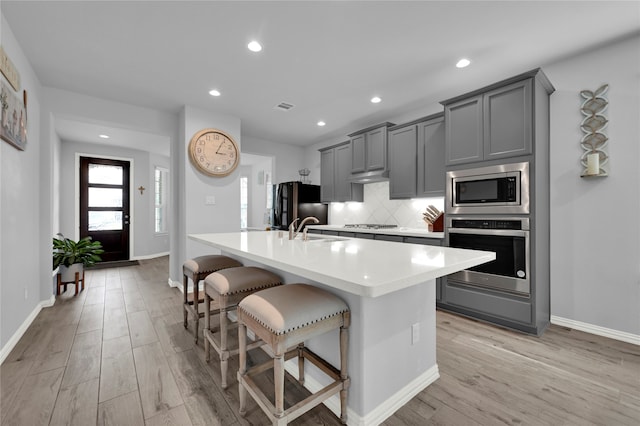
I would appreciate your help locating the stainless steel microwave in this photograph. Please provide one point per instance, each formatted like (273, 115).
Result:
(502, 189)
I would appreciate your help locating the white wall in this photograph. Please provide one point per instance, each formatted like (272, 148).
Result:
(595, 222)
(145, 242)
(288, 159)
(224, 215)
(25, 237)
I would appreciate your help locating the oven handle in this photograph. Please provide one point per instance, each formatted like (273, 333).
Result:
(498, 232)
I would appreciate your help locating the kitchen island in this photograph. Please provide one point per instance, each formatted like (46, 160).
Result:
(390, 290)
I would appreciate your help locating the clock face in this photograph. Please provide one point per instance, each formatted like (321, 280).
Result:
(214, 152)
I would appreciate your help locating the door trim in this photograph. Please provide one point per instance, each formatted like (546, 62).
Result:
(76, 208)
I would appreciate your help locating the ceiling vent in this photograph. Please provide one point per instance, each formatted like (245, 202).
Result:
(283, 106)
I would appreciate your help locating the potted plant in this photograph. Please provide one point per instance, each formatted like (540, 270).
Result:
(72, 256)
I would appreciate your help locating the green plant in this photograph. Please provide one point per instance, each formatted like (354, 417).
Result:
(67, 252)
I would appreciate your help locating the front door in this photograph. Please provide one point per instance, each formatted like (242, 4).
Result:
(104, 205)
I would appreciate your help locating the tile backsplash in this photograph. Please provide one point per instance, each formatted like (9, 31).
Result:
(379, 209)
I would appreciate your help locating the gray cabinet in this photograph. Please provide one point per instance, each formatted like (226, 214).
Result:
(369, 149)
(327, 176)
(416, 159)
(507, 118)
(335, 171)
(491, 125)
(394, 238)
(431, 173)
(403, 164)
(358, 154)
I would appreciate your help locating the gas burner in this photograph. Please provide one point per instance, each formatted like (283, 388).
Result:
(369, 226)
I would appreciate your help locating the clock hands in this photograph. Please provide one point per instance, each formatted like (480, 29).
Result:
(219, 146)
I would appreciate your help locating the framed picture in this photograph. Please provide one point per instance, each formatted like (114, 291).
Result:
(13, 123)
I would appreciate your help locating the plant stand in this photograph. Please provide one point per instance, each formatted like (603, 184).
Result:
(78, 282)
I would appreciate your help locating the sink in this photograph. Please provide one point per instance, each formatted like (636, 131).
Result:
(320, 238)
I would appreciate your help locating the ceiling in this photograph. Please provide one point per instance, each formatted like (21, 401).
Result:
(327, 58)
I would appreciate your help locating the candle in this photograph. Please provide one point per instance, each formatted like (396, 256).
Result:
(593, 164)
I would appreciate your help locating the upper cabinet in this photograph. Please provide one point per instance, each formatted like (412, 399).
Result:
(327, 175)
(369, 151)
(416, 158)
(335, 171)
(493, 124)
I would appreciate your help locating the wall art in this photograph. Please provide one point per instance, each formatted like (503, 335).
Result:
(13, 123)
(595, 158)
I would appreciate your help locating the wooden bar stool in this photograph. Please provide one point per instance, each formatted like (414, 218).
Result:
(197, 270)
(227, 288)
(284, 317)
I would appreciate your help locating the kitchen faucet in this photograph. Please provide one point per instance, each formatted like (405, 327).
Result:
(294, 232)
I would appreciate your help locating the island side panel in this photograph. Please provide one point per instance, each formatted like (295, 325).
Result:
(385, 368)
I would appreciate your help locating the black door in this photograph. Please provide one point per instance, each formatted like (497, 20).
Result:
(104, 205)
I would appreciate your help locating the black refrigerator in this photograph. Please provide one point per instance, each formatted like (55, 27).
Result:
(296, 200)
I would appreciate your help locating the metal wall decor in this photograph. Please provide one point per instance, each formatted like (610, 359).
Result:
(595, 158)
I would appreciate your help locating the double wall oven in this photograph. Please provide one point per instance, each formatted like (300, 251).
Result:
(488, 209)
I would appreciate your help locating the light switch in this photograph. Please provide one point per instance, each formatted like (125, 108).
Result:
(210, 200)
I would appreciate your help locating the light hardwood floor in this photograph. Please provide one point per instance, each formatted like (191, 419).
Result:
(117, 354)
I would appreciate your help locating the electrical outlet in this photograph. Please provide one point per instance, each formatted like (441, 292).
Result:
(415, 333)
(210, 200)
(26, 293)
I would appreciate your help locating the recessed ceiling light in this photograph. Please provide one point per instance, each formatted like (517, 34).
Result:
(321, 123)
(254, 46)
(214, 92)
(463, 63)
(103, 136)
(375, 100)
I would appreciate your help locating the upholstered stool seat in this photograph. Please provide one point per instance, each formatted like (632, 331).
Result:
(197, 269)
(226, 288)
(284, 317)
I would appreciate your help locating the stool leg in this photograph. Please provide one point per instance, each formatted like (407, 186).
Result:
(82, 289)
(224, 353)
(196, 302)
(207, 324)
(59, 284)
(344, 376)
(77, 282)
(301, 363)
(185, 286)
(242, 368)
(278, 380)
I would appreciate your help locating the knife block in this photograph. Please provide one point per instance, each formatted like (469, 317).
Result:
(438, 225)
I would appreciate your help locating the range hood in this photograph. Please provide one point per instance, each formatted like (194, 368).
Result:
(370, 177)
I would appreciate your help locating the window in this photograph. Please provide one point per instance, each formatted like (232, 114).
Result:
(244, 196)
(161, 187)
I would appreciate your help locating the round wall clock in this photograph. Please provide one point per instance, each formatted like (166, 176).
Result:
(214, 152)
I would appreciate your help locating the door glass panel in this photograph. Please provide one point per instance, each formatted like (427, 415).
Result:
(101, 173)
(105, 221)
(105, 197)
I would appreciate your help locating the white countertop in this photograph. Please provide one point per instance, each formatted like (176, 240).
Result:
(405, 232)
(360, 266)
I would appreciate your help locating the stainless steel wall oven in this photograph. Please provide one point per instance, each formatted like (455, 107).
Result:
(508, 237)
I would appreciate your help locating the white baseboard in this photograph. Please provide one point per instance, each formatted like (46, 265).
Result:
(384, 410)
(150, 256)
(13, 341)
(597, 330)
(173, 283)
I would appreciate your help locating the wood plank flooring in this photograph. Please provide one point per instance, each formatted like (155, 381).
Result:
(117, 354)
